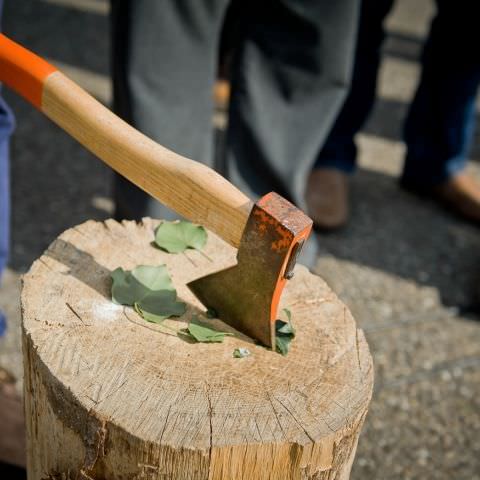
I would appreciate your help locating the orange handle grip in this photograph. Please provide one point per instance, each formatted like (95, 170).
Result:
(23, 71)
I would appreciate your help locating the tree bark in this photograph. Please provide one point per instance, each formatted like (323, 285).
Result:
(110, 396)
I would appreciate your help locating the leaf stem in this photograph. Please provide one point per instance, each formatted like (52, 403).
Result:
(191, 260)
(205, 255)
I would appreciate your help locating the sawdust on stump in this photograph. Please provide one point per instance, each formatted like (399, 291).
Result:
(111, 396)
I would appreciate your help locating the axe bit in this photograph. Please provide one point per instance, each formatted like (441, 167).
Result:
(246, 295)
(268, 234)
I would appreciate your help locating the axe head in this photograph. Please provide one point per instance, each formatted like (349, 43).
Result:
(247, 295)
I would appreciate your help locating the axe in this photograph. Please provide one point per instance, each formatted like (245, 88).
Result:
(269, 233)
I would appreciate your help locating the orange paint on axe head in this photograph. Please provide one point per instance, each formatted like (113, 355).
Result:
(23, 71)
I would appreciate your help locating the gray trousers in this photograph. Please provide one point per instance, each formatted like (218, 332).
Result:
(290, 73)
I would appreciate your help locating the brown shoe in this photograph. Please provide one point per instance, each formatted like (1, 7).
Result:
(221, 94)
(327, 198)
(461, 193)
(12, 423)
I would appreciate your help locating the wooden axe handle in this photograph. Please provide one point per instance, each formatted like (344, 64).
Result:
(190, 188)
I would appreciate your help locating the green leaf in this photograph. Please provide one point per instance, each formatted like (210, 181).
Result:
(284, 333)
(158, 307)
(284, 328)
(153, 277)
(149, 290)
(152, 317)
(282, 344)
(176, 237)
(202, 332)
(124, 287)
(149, 317)
(163, 302)
(130, 287)
(241, 352)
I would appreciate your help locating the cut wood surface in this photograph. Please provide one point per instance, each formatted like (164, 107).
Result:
(109, 396)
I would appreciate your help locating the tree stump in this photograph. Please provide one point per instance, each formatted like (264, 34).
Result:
(110, 396)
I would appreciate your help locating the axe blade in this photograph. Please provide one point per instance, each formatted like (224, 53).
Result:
(246, 296)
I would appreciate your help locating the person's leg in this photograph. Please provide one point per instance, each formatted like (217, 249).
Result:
(164, 67)
(440, 122)
(4, 187)
(12, 424)
(327, 186)
(339, 150)
(6, 126)
(290, 75)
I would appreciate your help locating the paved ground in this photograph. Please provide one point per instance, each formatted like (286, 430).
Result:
(408, 271)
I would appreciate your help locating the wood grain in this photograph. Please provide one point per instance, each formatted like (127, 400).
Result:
(192, 189)
(109, 396)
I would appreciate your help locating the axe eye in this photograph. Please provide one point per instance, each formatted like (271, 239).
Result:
(296, 250)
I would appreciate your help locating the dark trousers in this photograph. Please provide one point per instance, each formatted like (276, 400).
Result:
(290, 72)
(440, 122)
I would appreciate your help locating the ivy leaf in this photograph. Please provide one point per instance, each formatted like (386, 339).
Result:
(176, 237)
(149, 290)
(241, 352)
(201, 332)
(284, 333)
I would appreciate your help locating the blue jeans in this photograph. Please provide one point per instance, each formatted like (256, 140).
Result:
(440, 122)
(6, 127)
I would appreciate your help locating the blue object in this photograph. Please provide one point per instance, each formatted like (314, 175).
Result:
(3, 324)
(6, 127)
(7, 123)
(439, 126)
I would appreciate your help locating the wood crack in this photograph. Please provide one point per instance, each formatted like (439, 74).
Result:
(210, 415)
(77, 314)
(94, 442)
(276, 415)
(296, 420)
(358, 349)
(165, 424)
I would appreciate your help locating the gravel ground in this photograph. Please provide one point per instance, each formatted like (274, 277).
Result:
(408, 271)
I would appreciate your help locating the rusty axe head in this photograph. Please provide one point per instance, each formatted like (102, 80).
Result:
(246, 296)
